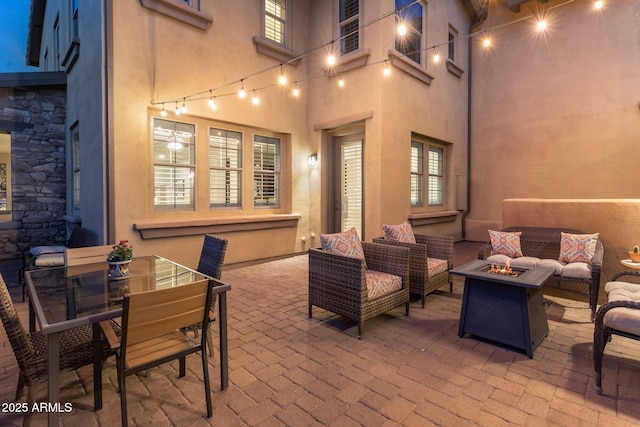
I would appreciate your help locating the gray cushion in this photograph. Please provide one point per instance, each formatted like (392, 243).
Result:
(577, 270)
(622, 318)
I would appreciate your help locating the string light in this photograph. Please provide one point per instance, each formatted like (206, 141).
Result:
(296, 91)
(184, 106)
(401, 29)
(163, 113)
(387, 70)
(212, 104)
(255, 99)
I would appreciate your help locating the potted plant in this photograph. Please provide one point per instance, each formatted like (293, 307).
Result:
(119, 259)
(635, 254)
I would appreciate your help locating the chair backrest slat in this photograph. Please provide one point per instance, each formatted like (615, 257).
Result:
(212, 256)
(87, 255)
(20, 342)
(155, 313)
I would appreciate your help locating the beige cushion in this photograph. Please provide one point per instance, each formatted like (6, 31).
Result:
(520, 262)
(577, 270)
(50, 260)
(552, 264)
(505, 243)
(39, 250)
(622, 318)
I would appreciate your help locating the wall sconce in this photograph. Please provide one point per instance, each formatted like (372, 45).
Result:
(312, 160)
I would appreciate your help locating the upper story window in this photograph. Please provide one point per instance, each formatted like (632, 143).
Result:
(75, 162)
(74, 17)
(173, 165)
(266, 171)
(275, 20)
(349, 23)
(56, 43)
(436, 175)
(417, 175)
(410, 29)
(192, 3)
(225, 168)
(453, 38)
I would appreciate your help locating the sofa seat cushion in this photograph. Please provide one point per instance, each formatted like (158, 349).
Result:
(577, 270)
(379, 283)
(49, 260)
(552, 264)
(622, 318)
(436, 266)
(520, 262)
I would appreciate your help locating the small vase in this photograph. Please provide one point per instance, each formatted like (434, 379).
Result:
(635, 256)
(119, 270)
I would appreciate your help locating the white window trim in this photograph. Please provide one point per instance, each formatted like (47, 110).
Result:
(240, 169)
(357, 17)
(180, 11)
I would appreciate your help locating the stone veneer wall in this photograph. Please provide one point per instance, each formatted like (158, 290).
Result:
(35, 117)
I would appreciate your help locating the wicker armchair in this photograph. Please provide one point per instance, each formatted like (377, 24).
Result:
(211, 260)
(426, 246)
(619, 316)
(30, 349)
(337, 283)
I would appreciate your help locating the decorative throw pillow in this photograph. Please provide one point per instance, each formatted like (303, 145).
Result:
(506, 243)
(577, 247)
(346, 243)
(399, 233)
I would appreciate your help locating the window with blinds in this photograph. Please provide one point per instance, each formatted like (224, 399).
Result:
(410, 13)
(417, 175)
(275, 20)
(225, 168)
(436, 175)
(351, 186)
(266, 171)
(174, 165)
(349, 23)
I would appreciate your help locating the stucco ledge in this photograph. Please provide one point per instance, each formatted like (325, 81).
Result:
(432, 217)
(163, 229)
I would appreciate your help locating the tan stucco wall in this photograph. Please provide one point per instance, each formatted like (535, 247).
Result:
(555, 115)
(616, 220)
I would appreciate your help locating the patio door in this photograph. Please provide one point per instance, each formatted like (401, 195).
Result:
(348, 173)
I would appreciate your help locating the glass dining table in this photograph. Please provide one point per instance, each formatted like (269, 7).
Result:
(62, 298)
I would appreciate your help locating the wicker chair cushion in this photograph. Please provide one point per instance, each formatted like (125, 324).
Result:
(346, 243)
(621, 318)
(506, 243)
(577, 247)
(436, 266)
(52, 249)
(577, 270)
(379, 283)
(50, 260)
(399, 233)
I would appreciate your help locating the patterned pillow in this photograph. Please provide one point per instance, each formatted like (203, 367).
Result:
(346, 243)
(399, 233)
(577, 247)
(506, 243)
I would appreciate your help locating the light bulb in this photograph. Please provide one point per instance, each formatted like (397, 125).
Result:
(163, 113)
(282, 80)
(402, 29)
(387, 71)
(542, 25)
(599, 4)
(255, 99)
(331, 60)
(212, 104)
(184, 108)
(177, 110)
(341, 82)
(296, 91)
(242, 93)
(436, 58)
(486, 42)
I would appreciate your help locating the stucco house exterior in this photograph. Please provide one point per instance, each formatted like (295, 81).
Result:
(434, 126)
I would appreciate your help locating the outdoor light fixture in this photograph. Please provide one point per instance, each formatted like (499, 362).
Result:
(312, 160)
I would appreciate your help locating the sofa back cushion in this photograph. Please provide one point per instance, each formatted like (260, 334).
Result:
(399, 233)
(577, 247)
(505, 243)
(346, 243)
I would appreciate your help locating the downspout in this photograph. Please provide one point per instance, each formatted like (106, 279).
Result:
(107, 236)
(480, 18)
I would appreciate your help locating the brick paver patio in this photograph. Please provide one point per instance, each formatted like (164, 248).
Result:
(289, 370)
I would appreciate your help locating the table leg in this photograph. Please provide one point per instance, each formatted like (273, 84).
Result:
(97, 367)
(224, 351)
(54, 375)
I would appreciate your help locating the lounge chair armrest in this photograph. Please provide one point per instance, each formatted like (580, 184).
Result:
(440, 247)
(485, 251)
(620, 274)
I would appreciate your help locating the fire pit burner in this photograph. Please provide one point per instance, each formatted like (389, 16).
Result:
(505, 270)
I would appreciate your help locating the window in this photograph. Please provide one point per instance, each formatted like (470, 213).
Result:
(410, 14)
(225, 168)
(191, 3)
(417, 176)
(266, 171)
(75, 162)
(56, 43)
(453, 36)
(349, 23)
(173, 165)
(74, 17)
(275, 21)
(436, 176)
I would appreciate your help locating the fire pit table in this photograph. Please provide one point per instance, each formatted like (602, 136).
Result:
(503, 305)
